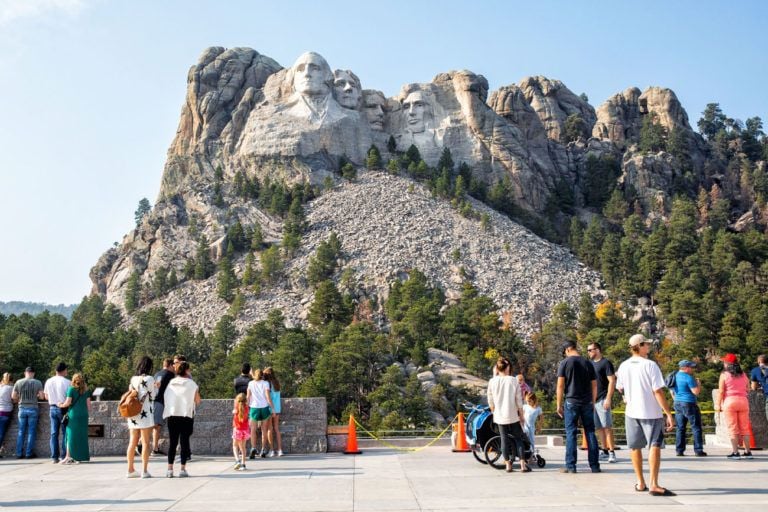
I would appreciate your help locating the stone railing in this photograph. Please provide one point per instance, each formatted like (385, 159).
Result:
(757, 416)
(303, 425)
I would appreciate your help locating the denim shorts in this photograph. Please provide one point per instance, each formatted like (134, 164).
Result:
(603, 418)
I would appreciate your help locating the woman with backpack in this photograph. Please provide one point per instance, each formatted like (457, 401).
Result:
(143, 422)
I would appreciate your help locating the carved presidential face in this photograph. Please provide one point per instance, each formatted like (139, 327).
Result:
(346, 89)
(373, 106)
(311, 75)
(416, 111)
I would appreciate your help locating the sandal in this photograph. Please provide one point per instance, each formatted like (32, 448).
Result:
(665, 492)
(638, 489)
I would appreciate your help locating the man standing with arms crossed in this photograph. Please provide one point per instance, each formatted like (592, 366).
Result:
(576, 381)
(606, 384)
(641, 381)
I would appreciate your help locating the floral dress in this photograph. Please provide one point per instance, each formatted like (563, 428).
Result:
(145, 385)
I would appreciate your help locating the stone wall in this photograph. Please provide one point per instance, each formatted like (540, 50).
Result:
(757, 416)
(302, 423)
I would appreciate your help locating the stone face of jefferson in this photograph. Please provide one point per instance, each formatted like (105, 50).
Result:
(374, 108)
(346, 89)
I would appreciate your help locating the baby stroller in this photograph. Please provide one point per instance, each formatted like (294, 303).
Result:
(479, 428)
(492, 451)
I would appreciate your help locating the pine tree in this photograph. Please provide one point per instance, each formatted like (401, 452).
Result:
(391, 145)
(349, 172)
(160, 282)
(257, 237)
(271, 265)
(652, 134)
(173, 280)
(393, 166)
(143, 209)
(446, 162)
(227, 280)
(203, 264)
(575, 128)
(132, 292)
(374, 158)
(328, 306)
(248, 273)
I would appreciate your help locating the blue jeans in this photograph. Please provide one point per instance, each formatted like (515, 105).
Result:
(56, 428)
(574, 412)
(27, 430)
(688, 413)
(4, 421)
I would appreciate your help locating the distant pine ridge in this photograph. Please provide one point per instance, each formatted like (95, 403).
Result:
(16, 307)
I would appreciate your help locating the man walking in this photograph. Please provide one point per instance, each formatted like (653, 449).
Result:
(606, 384)
(641, 381)
(576, 382)
(759, 378)
(684, 394)
(55, 391)
(26, 392)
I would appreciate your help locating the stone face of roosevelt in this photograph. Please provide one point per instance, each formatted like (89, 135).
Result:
(416, 110)
(373, 107)
(311, 75)
(346, 89)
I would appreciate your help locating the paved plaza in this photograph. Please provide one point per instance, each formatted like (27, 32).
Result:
(387, 480)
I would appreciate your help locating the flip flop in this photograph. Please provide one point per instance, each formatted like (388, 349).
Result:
(644, 489)
(666, 492)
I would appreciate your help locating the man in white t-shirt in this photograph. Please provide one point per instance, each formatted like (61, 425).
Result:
(56, 392)
(642, 383)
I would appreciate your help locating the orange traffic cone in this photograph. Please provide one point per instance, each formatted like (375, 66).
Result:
(352, 438)
(461, 441)
(752, 445)
(584, 445)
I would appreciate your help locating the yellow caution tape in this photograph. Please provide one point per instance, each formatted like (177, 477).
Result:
(400, 448)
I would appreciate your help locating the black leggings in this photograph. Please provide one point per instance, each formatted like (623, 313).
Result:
(179, 431)
(515, 431)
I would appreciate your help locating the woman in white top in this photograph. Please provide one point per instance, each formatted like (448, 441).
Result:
(6, 405)
(260, 405)
(142, 424)
(181, 397)
(506, 402)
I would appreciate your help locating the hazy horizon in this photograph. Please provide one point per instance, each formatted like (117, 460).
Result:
(92, 90)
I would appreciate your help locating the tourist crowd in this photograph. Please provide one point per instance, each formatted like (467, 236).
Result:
(166, 401)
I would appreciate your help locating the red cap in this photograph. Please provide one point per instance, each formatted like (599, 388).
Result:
(729, 358)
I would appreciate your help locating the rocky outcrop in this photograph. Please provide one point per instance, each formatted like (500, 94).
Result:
(553, 102)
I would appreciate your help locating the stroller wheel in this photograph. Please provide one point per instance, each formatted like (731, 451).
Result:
(540, 461)
(493, 453)
(478, 454)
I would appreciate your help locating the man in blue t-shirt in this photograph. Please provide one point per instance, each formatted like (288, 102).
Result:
(759, 378)
(684, 392)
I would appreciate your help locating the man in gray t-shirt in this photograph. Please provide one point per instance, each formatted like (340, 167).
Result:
(26, 392)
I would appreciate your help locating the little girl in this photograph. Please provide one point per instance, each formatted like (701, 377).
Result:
(241, 431)
(531, 413)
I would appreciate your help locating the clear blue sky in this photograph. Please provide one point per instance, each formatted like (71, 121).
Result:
(91, 90)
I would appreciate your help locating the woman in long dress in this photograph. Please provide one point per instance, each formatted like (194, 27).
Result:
(79, 403)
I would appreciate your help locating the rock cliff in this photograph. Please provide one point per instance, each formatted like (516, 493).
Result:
(244, 114)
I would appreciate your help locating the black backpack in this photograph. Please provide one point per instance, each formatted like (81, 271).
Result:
(671, 380)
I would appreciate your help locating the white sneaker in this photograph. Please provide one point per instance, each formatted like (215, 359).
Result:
(271, 453)
(169, 473)
(279, 453)
(132, 474)
(183, 473)
(603, 456)
(612, 457)
(146, 475)
(241, 468)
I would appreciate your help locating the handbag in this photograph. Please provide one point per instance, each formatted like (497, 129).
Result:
(130, 405)
(65, 418)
